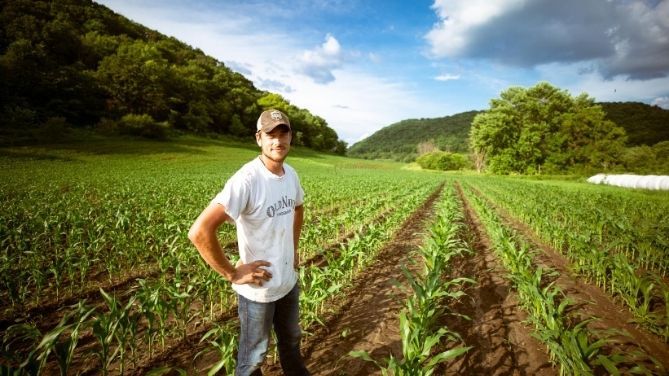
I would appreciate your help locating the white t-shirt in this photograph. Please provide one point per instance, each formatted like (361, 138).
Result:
(263, 207)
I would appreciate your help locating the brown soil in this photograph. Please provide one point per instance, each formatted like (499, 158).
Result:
(502, 344)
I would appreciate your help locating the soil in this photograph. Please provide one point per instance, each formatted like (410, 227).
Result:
(501, 341)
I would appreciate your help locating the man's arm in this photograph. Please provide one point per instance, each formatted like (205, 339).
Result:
(203, 235)
(297, 231)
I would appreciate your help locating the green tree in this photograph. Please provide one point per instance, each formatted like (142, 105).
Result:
(661, 150)
(135, 77)
(640, 159)
(143, 125)
(237, 128)
(442, 160)
(544, 129)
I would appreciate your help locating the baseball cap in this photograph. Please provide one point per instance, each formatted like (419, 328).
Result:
(272, 118)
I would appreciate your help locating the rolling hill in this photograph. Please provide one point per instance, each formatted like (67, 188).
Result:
(399, 141)
(76, 64)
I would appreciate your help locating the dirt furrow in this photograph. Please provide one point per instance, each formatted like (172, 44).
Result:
(368, 314)
(502, 344)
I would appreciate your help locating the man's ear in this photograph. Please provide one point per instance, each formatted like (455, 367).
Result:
(258, 139)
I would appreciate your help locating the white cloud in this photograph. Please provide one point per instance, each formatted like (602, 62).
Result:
(321, 61)
(357, 103)
(374, 58)
(662, 102)
(450, 36)
(447, 77)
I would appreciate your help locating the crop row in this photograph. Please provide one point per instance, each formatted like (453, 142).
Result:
(571, 345)
(425, 342)
(619, 242)
(181, 293)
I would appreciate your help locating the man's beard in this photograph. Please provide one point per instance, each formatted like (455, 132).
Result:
(274, 159)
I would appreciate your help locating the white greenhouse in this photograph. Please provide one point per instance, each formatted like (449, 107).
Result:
(660, 182)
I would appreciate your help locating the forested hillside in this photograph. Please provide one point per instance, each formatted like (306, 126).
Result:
(76, 64)
(400, 141)
(643, 124)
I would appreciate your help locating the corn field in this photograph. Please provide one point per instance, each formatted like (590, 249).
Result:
(97, 275)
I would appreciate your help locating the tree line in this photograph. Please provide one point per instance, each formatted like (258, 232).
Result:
(75, 63)
(541, 129)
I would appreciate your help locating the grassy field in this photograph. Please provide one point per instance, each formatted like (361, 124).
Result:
(97, 274)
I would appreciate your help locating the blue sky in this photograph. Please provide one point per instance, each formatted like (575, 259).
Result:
(365, 64)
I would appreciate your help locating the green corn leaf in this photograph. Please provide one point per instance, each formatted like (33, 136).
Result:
(448, 355)
(608, 364)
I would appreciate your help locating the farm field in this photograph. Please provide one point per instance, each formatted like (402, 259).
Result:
(448, 273)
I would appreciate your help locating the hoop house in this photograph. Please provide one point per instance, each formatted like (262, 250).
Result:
(658, 182)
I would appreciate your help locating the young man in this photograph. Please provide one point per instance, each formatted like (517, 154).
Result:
(264, 199)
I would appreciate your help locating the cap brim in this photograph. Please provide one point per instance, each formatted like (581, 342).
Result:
(272, 127)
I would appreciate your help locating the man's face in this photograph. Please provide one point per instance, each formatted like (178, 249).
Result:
(275, 144)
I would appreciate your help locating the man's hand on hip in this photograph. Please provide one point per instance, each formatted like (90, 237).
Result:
(251, 273)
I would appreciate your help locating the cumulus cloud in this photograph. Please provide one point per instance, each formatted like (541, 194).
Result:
(621, 38)
(662, 102)
(357, 103)
(321, 61)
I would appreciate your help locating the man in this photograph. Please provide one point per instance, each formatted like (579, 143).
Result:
(264, 199)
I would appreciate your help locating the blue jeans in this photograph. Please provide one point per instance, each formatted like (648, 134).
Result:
(256, 320)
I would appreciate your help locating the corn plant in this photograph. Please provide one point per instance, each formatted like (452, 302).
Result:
(64, 350)
(118, 326)
(429, 296)
(147, 301)
(418, 358)
(61, 341)
(224, 340)
(17, 336)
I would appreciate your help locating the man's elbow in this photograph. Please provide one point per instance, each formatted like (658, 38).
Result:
(195, 234)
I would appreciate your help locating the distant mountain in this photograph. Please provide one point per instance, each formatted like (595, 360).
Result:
(644, 124)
